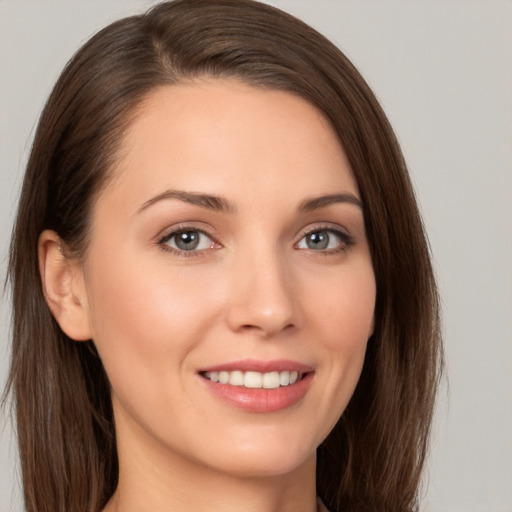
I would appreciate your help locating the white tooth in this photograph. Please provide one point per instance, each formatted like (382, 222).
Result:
(271, 380)
(253, 380)
(236, 378)
(284, 378)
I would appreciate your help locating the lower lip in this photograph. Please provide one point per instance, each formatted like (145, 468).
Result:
(261, 400)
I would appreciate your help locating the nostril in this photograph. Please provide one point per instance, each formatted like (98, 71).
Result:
(266, 328)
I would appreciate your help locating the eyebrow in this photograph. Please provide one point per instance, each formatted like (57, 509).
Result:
(316, 203)
(208, 201)
(219, 204)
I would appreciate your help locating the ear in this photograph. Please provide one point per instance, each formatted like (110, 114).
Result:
(63, 287)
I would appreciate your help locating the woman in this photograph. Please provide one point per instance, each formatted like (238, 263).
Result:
(222, 291)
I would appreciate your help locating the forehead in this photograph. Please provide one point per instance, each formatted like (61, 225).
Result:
(222, 135)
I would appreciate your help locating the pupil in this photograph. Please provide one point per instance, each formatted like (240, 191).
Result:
(188, 240)
(318, 240)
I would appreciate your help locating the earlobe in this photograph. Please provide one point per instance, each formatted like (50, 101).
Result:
(63, 287)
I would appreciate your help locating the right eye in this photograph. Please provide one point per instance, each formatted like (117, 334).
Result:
(187, 240)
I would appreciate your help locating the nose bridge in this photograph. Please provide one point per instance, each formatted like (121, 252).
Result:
(261, 284)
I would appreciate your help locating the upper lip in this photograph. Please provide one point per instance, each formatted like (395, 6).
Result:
(255, 365)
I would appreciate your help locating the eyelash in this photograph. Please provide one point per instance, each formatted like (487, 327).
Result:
(347, 241)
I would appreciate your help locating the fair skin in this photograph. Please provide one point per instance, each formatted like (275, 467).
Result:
(271, 275)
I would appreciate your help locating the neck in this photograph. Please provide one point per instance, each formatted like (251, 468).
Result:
(215, 495)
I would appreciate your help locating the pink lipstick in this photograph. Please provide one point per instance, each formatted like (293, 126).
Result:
(259, 386)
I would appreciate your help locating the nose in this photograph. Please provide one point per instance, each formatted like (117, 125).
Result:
(262, 300)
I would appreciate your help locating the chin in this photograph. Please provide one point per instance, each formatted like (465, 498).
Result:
(266, 466)
(264, 459)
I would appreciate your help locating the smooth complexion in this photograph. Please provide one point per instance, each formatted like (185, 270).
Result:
(231, 239)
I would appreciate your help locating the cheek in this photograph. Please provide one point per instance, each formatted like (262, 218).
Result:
(343, 315)
(344, 308)
(144, 319)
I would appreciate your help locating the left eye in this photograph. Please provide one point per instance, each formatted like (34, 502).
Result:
(188, 240)
(322, 240)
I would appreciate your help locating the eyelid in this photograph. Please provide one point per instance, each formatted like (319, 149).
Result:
(323, 226)
(187, 226)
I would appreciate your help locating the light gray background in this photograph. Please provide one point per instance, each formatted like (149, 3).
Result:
(443, 72)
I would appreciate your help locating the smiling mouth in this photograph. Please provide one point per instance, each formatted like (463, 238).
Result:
(259, 386)
(255, 380)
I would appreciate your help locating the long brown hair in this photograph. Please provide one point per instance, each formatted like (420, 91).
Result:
(373, 458)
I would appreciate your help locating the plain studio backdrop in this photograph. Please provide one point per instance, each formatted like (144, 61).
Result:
(442, 70)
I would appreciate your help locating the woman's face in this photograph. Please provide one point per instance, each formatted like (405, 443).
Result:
(229, 285)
